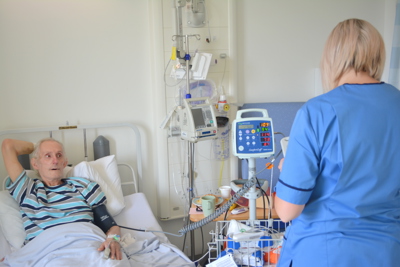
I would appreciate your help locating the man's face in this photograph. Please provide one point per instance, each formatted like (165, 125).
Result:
(51, 161)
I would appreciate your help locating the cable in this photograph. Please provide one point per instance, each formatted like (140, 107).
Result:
(280, 133)
(226, 213)
(165, 72)
(263, 192)
(208, 23)
(153, 231)
(202, 238)
(202, 257)
(220, 210)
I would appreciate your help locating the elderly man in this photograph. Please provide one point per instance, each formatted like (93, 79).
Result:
(54, 200)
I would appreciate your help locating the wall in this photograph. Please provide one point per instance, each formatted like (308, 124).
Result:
(281, 42)
(83, 62)
(99, 61)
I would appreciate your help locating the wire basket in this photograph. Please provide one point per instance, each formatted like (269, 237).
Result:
(259, 246)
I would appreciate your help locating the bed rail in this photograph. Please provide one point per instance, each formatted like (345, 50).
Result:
(84, 127)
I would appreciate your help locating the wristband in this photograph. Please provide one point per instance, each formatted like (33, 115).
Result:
(115, 237)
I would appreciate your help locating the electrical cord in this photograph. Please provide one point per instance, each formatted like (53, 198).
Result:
(146, 230)
(165, 72)
(263, 193)
(226, 214)
(202, 238)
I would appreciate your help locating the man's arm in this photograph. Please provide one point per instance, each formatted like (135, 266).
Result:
(11, 149)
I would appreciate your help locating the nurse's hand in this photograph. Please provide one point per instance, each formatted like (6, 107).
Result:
(281, 164)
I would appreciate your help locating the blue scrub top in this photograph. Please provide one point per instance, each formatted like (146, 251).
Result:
(343, 163)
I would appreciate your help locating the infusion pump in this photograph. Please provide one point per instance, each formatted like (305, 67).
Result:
(253, 137)
(197, 120)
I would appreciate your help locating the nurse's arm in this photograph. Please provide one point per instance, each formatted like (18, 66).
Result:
(287, 211)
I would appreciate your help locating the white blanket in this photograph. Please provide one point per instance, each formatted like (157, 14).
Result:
(76, 244)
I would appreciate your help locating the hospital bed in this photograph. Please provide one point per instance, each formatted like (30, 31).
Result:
(76, 244)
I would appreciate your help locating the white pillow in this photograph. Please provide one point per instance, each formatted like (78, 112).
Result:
(103, 171)
(11, 220)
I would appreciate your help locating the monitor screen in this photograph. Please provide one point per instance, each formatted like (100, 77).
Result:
(198, 117)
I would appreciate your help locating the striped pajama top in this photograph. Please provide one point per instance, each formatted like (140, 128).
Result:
(43, 207)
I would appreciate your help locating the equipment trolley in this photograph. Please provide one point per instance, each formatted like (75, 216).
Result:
(259, 245)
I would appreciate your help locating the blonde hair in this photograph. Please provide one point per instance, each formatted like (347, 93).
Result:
(353, 44)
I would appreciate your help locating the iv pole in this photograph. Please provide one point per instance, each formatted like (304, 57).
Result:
(190, 144)
(179, 4)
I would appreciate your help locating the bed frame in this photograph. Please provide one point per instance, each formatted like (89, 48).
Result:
(134, 203)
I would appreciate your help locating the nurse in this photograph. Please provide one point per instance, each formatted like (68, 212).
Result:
(340, 180)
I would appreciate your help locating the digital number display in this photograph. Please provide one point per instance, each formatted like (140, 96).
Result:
(246, 126)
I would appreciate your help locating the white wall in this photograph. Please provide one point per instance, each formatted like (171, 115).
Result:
(281, 42)
(97, 61)
(83, 62)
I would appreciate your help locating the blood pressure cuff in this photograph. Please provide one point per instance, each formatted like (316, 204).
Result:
(102, 218)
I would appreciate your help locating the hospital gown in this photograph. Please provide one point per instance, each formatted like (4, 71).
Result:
(343, 163)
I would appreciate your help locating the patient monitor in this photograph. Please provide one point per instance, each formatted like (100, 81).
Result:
(197, 120)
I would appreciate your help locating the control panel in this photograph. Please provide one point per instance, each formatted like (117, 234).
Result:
(253, 137)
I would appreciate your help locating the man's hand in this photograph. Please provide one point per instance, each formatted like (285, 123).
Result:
(112, 244)
(115, 248)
